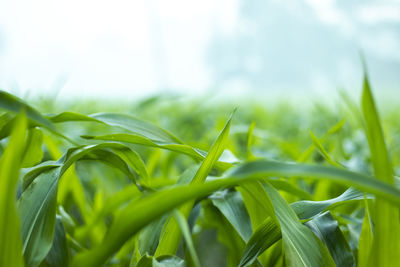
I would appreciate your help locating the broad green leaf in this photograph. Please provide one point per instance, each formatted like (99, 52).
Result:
(141, 127)
(386, 245)
(231, 205)
(257, 202)
(170, 236)
(10, 163)
(268, 232)
(127, 122)
(302, 248)
(227, 237)
(140, 140)
(58, 255)
(306, 209)
(37, 204)
(326, 228)
(37, 209)
(264, 168)
(136, 215)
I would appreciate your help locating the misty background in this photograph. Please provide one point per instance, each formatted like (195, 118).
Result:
(133, 49)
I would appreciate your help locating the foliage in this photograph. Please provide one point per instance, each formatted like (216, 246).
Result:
(157, 185)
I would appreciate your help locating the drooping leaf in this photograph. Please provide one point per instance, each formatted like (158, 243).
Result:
(264, 168)
(37, 204)
(140, 140)
(231, 205)
(268, 232)
(326, 228)
(306, 209)
(14, 104)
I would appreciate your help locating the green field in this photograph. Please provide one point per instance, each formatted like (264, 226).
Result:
(172, 182)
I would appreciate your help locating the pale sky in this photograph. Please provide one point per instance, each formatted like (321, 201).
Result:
(136, 48)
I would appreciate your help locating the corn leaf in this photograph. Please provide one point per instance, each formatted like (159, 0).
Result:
(10, 163)
(386, 245)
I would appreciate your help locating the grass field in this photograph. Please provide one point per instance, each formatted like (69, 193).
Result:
(185, 183)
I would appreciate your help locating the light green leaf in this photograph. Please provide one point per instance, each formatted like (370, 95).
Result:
(187, 236)
(10, 163)
(37, 204)
(33, 153)
(170, 236)
(386, 245)
(366, 239)
(14, 104)
(140, 140)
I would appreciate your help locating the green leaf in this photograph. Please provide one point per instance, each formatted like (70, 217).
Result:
(180, 218)
(14, 104)
(301, 246)
(150, 236)
(127, 122)
(135, 125)
(386, 245)
(135, 216)
(326, 228)
(140, 140)
(141, 212)
(170, 236)
(306, 209)
(268, 232)
(323, 152)
(162, 261)
(264, 168)
(366, 239)
(263, 237)
(58, 255)
(37, 209)
(231, 205)
(37, 204)
(33, 153)
(10, 163)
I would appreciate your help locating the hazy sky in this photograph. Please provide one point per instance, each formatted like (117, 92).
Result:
(137, 48)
